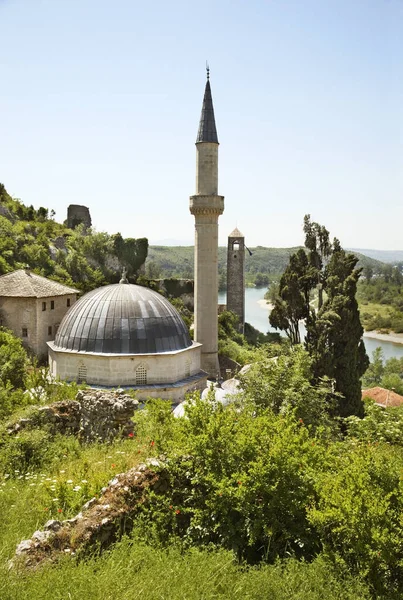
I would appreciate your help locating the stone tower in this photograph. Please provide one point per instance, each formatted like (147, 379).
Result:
(206, 206)
(236, 276)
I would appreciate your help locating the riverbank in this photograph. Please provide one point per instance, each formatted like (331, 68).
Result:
(394, 338)
(264, 304)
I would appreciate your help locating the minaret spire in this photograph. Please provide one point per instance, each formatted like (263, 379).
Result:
(206, 206)
(207, 129)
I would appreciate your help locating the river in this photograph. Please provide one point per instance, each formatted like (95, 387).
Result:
(258, 316)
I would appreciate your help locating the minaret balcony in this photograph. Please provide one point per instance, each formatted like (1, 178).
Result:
(206, 205)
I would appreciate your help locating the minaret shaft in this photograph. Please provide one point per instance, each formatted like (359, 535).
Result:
(206, 206)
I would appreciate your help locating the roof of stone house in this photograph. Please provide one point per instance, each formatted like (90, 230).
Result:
(383, 397)
(236, 234)
(25, 284)
(207, 129)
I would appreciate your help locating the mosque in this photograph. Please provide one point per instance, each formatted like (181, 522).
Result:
(128, 335)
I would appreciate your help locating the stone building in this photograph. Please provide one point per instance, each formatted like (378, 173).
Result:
(76, 214)
(127, 335)
(236, 276)
(32, 307)
(206, 206)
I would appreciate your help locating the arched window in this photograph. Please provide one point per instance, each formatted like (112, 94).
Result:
(235, 245)
(141, 375)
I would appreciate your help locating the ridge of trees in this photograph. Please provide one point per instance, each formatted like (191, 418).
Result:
(261, 268)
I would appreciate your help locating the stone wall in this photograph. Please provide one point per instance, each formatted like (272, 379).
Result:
(95, 415)
(34, 320)
(164, 370)
(100, 522)
(76, 214)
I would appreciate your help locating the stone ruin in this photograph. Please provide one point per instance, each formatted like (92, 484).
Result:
(76, 214)
(100, 522)
(95, 415)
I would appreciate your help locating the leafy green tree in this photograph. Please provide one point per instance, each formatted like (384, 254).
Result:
(13, 360)
(319, 250)
(373, 375)
(292, 305)
(334, 337)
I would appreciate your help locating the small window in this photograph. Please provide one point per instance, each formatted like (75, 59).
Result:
(235, 246)
(50, 330)
(43, 305)
(52, 305)
(68, 301)
(82, 374)
(24, 332)
(141, 375)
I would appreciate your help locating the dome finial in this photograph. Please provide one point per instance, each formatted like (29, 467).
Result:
(124, 278)
(208, 71)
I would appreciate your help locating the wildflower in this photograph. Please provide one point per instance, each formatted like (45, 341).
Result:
(69, 481)
(170, 506)
(152, 443)
(77, 488)
(113, 466)
(45, 509)
(130, 435)
(62, 471)
(59, 510)
(84, 481)
(177, 511)
(301, 421)
(239, 482)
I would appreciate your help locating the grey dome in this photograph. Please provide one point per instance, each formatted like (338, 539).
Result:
(122, 319)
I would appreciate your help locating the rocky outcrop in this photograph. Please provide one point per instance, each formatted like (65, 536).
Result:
(95, 415)
(100, 522)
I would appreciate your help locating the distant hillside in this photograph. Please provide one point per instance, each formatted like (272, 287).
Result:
(386, 256)
(263, 265)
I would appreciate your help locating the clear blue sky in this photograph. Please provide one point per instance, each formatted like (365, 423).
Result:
(100, 103)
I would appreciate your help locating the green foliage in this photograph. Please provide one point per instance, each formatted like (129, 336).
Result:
(13, 360)
(292, 304)
(88, 259)
(387, 374)
(358, 516)
(231, 342)
(134, 568)
(334, 332)
(284, 384)
(334, 335)
(381, 291)
(264, 266)
(378, 425)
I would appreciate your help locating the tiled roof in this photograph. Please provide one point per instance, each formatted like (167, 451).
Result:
(25, 284)
(383, 397)
(236, 233)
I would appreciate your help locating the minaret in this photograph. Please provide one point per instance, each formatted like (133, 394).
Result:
(236, 276)
(206, 206)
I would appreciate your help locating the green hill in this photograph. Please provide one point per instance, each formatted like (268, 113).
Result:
(262, 265)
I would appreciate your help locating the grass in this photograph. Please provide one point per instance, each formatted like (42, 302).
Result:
(134, 570)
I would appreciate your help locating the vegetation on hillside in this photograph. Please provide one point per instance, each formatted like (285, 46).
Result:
(83, 258)
(380, 295)
(265, 495)
(261, 268)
